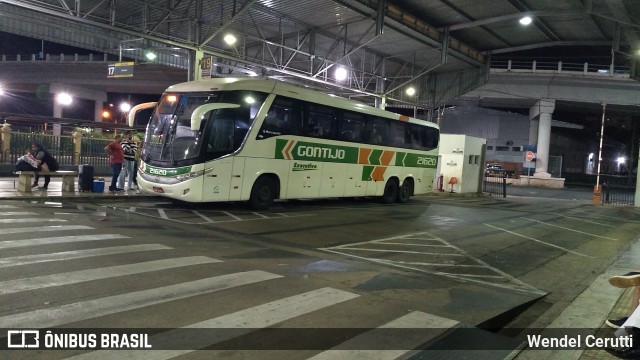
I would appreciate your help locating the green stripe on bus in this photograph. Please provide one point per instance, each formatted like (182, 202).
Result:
(366, 172)
(308, 151)
(166, 172)
(374, 158)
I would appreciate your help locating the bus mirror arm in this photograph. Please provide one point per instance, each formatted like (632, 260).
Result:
(131, 117)
(198, 114)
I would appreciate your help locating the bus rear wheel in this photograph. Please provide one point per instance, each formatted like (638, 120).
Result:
(390, 192)
(406, 190)
(262, 193)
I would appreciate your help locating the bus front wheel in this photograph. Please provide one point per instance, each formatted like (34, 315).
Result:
(406, 190)
(262, 193)
(390, 192)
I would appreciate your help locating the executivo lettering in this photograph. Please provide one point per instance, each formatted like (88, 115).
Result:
(304, 167)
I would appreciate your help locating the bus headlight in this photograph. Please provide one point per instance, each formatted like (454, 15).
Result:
(191, 175)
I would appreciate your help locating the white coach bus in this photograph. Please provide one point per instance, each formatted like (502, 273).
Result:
(258, 140)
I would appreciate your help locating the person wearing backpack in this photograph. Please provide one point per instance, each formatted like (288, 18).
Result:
(46, 162)
(129, 148)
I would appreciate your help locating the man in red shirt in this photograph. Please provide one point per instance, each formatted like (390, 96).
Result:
(116, 158)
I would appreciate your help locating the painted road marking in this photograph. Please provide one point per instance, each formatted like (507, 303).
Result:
(58, 240)
(433, 326)
(587, 221)
(205, 218)
(568, 229)
(539, 241)
(256, 317)
(163, 214)
(78, 254)
(44, 229)
(262, 216)
(28, 220)
(399, 251)
(64, 314)
(429, 267)
(232, 216)
(16, 213)
(74, 277)
(7, 207)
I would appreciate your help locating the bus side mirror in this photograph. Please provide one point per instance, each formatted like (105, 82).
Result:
(198, 114)
(132, 113)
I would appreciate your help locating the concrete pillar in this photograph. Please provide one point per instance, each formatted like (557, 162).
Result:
(77, 146)
(57, 109)
(543, 110)
(195, 60)
(98, 108)
(5, 131)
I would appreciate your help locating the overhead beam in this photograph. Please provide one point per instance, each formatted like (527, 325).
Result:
(245, 7)
(514, 16)
(551, 44)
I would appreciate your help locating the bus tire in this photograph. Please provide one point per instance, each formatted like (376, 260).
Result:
(390, 192)
(406, 190)
(263, 193)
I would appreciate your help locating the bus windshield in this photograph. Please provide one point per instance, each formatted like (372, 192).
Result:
(169, 140)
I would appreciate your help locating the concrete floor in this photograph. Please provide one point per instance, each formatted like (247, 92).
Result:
(449, 262)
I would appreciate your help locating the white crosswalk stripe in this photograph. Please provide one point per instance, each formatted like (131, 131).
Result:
(69, 313)
(7, 206)
(74, 277)
(432, 324)
(77, 254)
(29, 229)
(249, 319)
(29, 220)
(11, 244)
(17, 213)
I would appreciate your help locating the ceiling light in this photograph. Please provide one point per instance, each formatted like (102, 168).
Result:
(64, 99)
(150, 55)
(125, 107)
(341, 73)
(526, 20)
(410, 91)
(230, 39)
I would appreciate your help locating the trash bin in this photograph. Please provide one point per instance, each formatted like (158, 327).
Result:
(98, 186)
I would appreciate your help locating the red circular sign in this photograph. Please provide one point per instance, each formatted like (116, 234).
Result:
(530, 156)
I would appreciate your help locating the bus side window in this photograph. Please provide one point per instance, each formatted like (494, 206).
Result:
(377, 131)
(352, 127)
(278, 120)
(318, 122)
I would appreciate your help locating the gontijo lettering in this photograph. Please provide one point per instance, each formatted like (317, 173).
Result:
(320, 152)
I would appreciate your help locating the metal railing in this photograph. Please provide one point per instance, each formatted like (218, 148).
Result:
(495, 183)
(618, 190)
(61, 147)
(559, 67)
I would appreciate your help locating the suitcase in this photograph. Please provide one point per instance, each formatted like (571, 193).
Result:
(85, 177)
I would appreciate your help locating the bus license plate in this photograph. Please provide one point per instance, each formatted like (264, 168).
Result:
(158, 189)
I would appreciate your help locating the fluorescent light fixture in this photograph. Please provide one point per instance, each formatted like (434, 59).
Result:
(230, 39)
(151, 55)
(125, 107)
(526, 20)
(341, 73)
(410, 91)
(64, 99)
(621, 160)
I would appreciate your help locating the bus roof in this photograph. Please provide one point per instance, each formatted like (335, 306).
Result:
(284, 89)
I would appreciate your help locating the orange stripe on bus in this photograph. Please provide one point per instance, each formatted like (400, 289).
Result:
(363, 156)
(404, 118)
(386, 157)
(288, 148)
(378, 173)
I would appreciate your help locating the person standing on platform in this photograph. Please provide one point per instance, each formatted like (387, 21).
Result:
(116, 158)
(129, 148)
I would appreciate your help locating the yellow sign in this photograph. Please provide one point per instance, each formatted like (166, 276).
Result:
(120, 69)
